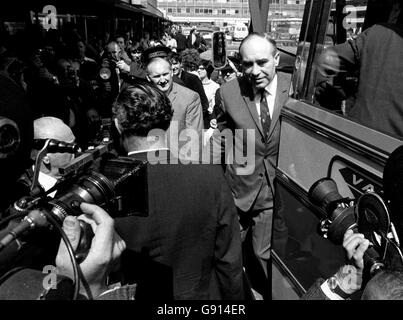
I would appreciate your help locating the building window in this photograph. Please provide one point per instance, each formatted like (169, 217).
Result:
(205, 10)
(210, 11)
(236, 11)
(187, 10)
(223, 11)
(169, 10)
(197, 10)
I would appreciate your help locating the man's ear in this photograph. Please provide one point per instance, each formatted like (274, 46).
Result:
(46, 160)
(277, 58)
(118, 127)
(148, 78)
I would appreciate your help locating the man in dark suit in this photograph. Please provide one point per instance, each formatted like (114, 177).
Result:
(192, 238)
(253, 104)
(180, 40)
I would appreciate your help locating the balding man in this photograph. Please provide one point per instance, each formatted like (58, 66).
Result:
(253, 102)
(185, 102)
(52, 128)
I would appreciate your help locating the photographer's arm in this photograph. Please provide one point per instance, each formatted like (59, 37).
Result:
(105, 250)
(348, 278)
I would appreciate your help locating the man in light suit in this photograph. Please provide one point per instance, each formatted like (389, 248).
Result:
(253, 103)
(185, 104)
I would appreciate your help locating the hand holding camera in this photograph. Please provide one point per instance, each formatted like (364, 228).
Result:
(106, 248)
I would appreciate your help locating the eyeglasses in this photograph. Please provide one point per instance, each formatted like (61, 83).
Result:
(202, 68)
(173, 61)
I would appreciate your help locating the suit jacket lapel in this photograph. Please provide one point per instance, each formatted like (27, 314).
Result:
(248, 97)
(173, 94)
(281, 97)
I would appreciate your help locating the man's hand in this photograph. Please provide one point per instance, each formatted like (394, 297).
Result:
(349, 277)
(355, 245)
(123, 66)
(106, 248)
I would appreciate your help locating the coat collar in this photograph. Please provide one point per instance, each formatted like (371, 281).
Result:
(174, 92)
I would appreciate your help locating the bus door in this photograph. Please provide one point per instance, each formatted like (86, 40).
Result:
(319, 139)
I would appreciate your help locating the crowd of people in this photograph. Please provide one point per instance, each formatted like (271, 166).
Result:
(189, 246)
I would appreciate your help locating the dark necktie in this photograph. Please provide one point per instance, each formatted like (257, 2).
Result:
(264, 115)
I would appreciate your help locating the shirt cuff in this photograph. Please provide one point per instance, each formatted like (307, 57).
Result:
(328, 292)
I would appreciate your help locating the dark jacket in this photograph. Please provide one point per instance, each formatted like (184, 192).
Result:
(180, 41)
(191, 240)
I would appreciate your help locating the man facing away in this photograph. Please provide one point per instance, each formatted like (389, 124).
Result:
(253, 103)
(190, 238)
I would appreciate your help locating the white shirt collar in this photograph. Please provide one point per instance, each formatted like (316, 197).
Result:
(272, 86)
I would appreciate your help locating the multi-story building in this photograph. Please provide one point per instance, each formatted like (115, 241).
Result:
(227, 12)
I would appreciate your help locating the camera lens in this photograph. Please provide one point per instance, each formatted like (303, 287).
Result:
(323, 193)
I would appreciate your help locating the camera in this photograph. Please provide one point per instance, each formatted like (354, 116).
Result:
(117, 184)
(109, 67)
(369, 215)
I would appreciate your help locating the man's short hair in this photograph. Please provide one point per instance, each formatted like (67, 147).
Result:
(141, 107)
(262, 36)
(386, 285)
(174, 57)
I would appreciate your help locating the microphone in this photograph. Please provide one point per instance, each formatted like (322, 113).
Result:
(33, 219)
(56, 146)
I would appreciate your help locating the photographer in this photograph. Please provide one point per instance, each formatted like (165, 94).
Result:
(385, 285)
(20, 262)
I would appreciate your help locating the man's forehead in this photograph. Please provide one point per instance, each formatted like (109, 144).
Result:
(158, 69)
(113, 48)
(158, 64)
(256, 46)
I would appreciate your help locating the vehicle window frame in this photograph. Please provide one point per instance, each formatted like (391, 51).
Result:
(311, 44)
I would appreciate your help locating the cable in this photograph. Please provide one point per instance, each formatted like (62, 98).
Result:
(70, 249)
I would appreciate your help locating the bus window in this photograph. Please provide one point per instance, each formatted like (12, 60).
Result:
(338, 71)
(337, 91)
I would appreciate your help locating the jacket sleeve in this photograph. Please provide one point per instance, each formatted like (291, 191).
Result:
(315, 292)
(194, 115)
(197, 86)
(228, 254)
(219, 112)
